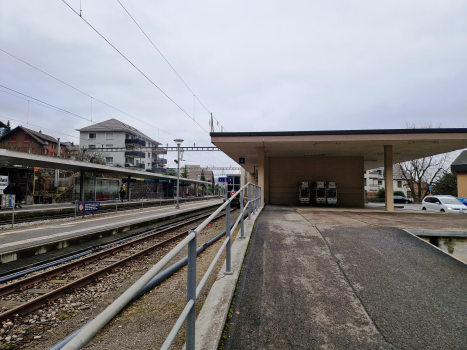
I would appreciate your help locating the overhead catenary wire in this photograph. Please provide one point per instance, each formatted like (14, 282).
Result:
(84, 93)
(79, 138)
(48, 105)
(165, 59)
(139, 70)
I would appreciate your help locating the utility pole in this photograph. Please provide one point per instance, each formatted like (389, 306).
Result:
(178, 142)
(56, 170)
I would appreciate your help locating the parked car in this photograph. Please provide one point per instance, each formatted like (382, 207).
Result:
(463, 200)
(400, 199)
(444, 204)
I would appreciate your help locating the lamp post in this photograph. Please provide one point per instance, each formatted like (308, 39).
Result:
(178, 142)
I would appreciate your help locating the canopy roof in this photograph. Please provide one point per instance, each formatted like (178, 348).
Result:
(41, 161)
(408, 144)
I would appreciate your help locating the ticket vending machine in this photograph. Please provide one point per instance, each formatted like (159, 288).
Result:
(304, 192)
(331, 193)
(319, 193)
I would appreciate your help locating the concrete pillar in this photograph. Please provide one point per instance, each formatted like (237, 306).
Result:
(263, 175)
(81, 185)
(388, 178)
(128, 188)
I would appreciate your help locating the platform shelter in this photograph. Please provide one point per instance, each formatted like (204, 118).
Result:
(281, 160)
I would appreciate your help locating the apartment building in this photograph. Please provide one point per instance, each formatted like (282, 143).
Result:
(135, 149)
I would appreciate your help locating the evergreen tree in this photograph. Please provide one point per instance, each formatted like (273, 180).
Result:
(7, 129)
(447, 184)
(185, 173)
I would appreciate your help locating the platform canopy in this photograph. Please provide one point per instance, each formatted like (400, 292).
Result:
(407, 144)
(42, 161)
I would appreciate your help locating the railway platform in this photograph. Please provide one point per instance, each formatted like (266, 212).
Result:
(30, 213)
(347, 280)
(55, 239)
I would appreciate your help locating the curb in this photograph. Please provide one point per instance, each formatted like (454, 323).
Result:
(211, 320)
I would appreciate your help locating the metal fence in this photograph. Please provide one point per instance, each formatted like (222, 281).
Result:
(193, 291)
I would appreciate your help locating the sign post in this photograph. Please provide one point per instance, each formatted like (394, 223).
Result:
(8, 201)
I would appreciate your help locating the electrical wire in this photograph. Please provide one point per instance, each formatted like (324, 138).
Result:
(79, 138)
(165, 59)
(48, 105)
(139, 70)
(92, 97)
(196, 97)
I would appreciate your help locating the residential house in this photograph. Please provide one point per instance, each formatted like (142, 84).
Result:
(22, 139)
(374, 181)
(133, 149)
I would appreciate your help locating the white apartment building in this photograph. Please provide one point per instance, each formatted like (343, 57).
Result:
(136, 149)
(374, 181)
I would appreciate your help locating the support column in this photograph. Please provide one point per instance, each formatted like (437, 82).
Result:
(128, 181)
(81, 185)
(388, 178)
(263, 175)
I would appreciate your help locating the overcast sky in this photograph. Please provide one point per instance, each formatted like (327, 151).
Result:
(256, 65)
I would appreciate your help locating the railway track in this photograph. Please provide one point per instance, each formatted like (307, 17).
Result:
(106, 210)
(44, 287)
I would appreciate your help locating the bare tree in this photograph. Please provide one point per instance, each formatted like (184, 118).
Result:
(90, 155)
(422, 173)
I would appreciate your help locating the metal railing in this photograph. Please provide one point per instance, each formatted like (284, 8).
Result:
(193, 291)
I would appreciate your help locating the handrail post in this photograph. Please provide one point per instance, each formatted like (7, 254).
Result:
(249, 201)
(254, 200)
(259, 197)
(228, 261)
(242, 209)
(191, 294)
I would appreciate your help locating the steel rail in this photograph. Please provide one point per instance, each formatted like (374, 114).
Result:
(57, 293)
(88, 332)
(21, 284)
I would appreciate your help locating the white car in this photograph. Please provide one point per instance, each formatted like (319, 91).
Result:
(444, 204)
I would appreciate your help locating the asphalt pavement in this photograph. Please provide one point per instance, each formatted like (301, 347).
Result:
(343, 283)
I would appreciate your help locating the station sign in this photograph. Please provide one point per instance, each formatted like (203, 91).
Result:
(8, 200)
(221, 179)
(83, 207)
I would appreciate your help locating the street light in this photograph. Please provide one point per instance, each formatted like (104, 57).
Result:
(178, 142)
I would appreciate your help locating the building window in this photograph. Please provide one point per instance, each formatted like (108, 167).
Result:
(92, 135)
(13, 139)
(149, 155)
(364, 182)
(26, 139)
(399, 184)
(46, 151)
(110, 145)
(109, 160)
(92, 146)
(109, 135)
(29, 150)
(380, 182)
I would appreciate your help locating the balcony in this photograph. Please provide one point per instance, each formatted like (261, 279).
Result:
(135, 142)
(160, 161)
(135, 154)
(160, 170)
